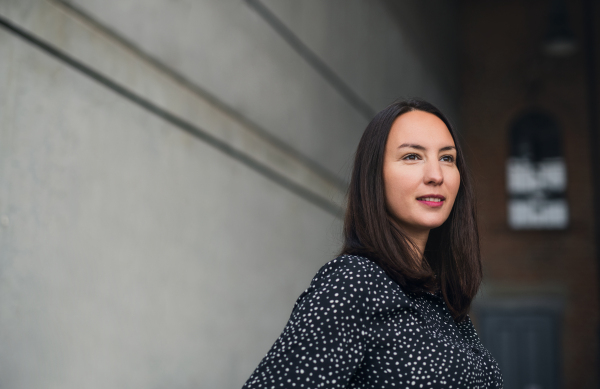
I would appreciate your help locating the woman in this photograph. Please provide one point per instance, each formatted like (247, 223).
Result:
(391, 310)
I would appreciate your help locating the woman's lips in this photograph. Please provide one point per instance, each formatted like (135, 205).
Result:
(432, 201)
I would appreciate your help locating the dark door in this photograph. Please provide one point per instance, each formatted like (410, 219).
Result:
(526, 346)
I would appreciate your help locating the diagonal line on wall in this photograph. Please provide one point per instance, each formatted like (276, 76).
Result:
(313, 60)
(184, 125)
(203, 93)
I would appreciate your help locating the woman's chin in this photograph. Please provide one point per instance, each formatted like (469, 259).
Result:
(430, 222)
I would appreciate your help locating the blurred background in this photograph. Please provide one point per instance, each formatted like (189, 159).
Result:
(173, 173)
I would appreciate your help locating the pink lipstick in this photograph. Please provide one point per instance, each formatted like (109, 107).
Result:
(432, 200)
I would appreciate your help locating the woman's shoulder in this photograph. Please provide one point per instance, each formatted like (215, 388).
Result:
(360, 275)
(346, 263)
(349, 267)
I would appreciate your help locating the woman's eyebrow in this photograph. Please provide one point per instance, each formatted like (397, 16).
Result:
(448, 148)
(419, 147)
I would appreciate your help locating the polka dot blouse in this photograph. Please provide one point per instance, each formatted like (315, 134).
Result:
(356, 328)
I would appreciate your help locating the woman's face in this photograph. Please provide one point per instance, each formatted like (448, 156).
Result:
(419, 172)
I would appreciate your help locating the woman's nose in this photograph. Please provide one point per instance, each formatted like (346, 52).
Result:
(433, 174)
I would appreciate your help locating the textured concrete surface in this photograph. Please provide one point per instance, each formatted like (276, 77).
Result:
(133, 254)
(365, 44)
(89, 44)
(228, 50)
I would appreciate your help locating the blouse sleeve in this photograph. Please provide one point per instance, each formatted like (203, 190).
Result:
(323, 341)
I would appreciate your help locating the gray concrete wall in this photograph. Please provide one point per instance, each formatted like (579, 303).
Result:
(172, 177)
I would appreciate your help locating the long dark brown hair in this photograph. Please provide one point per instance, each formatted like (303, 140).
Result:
(452, 261)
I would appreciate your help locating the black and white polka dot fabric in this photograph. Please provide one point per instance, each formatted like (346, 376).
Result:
(355, 328)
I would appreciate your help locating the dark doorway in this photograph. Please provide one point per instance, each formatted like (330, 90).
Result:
(525, 342)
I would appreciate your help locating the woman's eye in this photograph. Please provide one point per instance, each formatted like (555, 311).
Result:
(447, 158)
(411, 157)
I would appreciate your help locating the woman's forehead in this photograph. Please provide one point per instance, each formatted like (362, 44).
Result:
(420, 128)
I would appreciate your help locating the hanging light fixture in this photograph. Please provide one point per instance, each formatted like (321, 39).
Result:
(559, 40)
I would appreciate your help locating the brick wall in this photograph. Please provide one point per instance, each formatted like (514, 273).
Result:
(504, 73)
